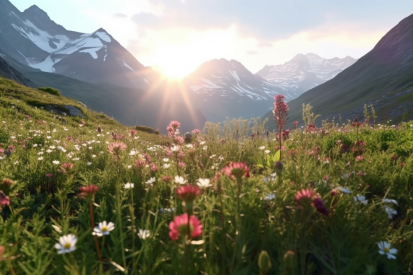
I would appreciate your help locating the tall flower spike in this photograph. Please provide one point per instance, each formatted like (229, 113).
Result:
(87, 192)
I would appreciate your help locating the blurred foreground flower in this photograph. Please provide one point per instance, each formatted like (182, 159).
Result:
(4, 200)
(116, 147)
(180, 226)
(104, 228)
(386, 250)
(66, 244)
(188, 193)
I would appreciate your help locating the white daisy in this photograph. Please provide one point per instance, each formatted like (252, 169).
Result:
(129, 185)
(261, 147)
(386, 250)
(150, 181)
(390, 201)
(345, 190)
(180, 180)
(166, 165)
(361, 199)
(66, 244)
(143, 234)
(203, 183)
(270, 197)
(104, 228)
(390, 211)
(56, 162)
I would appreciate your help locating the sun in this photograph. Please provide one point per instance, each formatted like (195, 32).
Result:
(174, 70)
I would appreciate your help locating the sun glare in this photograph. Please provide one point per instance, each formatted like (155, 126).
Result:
(174, 71)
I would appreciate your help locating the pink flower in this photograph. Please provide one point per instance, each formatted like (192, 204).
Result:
(133, 132)
(181, 164)
(359, 158)
(180, 226)
(4, 200)
(402, 164)
(116, 147)
(179, 139)
(325, 178)
(338, 142)
(140, 163)
(361, 174)
(188, 193)
(87, 192)
(66, 167)
(153, 167)
(49, 175)
(304, 194)
(236, 170)
(196, 131)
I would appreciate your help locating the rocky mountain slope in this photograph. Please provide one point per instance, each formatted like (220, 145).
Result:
(383, 77)
(9, 72)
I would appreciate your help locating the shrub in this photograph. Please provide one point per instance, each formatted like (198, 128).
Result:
(146, 129)
(50, 90)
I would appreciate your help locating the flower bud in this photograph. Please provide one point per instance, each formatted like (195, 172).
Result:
(264, 262)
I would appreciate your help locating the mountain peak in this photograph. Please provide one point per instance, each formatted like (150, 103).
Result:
(36, 11)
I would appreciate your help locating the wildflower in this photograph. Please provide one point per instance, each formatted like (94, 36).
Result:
(180, 180)
(384, 249)
(4, 200)
(390, 201)
(66, 244)
(66, 167)
(261, 147)
(143, 234)
(267, 151)
(116, 147)
(56, 162)
(361, 199)
(129, 185)
(165, 160)
(104, 228)
(359, 158)
(133, 132)
(87, 192)
(49, 175)
(89, 163)
(344, 190)
(203, 183)
(150, 181)
(188, 193)
(167, 210)
(180, 226)
(236, 170)
(166, 179)
(166, 165)
(7, 183)
(390, 211)
(304, 194)
(175, 148)
(269, 197)
(319, 205)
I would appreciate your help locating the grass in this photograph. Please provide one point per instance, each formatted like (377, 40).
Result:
(252, 223)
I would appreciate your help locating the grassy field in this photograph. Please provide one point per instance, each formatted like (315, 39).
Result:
(77, 198)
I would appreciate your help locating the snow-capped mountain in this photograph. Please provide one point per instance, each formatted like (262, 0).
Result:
(225, 88)
(304, 72)
(32, 38)
(223, 78)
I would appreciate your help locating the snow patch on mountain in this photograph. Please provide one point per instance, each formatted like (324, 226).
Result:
(127, 66)
(92, 52)
(45, 66)
(104, 36)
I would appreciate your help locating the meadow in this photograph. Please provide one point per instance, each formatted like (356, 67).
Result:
(90, 196)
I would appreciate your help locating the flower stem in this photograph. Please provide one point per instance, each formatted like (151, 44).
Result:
(93, 226)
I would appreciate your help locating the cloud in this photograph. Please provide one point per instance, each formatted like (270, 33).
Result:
(120, 15)
(252, 52)
(271, 19)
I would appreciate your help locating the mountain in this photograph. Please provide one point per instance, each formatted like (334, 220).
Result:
(221, 88)
(32, 38)
(382, 78)
(9, 72)
(304, 72)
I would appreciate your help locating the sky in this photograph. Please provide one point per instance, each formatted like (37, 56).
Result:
(177, 36)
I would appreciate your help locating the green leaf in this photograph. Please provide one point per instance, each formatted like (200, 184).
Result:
(276, 156)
